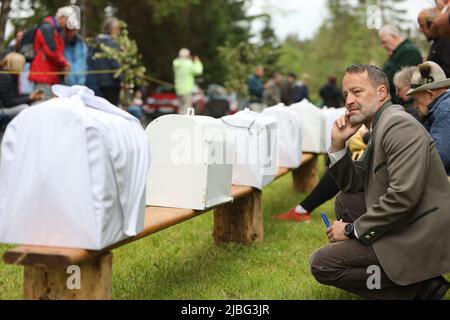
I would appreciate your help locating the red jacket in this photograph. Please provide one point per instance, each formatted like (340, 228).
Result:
(49, 49)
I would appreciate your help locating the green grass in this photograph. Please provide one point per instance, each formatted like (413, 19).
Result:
(183, 263)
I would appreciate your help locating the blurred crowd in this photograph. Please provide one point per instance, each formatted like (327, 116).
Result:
(53, 52)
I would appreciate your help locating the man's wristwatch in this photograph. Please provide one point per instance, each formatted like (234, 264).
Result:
(349, 231)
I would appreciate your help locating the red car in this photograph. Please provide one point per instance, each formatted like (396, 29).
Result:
(164, 101)
(160, 102)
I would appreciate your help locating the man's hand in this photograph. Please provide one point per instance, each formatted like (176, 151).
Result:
(341, 132)
(36, 95)
(336, 232)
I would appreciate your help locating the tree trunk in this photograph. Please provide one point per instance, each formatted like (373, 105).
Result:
(240, 221)
(89, 281)
(84, 10)
(4, 13)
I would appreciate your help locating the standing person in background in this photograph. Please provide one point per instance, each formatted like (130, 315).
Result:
(402, 53)
(25, 85)
(218, 104)
(49, 49)
(256, 88)
(293, 91)
(75, 52)
(272, 90)
(105, 85)
(185, 69)
(14, 45)
(301, 90)
(441, 26)
(440, 47)
(331, 94)
(288, 89)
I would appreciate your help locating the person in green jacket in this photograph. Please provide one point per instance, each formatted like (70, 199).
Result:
(185, 68)
(402, 53)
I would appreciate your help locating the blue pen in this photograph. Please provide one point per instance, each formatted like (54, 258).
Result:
(325, 220)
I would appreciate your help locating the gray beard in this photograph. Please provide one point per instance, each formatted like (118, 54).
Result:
(360, 119)
(355, 120)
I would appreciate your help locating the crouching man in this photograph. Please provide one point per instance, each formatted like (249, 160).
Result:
(394, 209)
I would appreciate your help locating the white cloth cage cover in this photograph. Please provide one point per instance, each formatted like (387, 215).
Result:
(312, 126)
(289, 135)
(72, 173)
(256, 147)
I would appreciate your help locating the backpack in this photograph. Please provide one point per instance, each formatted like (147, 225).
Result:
(27, 43)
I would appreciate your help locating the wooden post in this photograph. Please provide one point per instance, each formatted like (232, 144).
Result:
(52, 283)
(306, 177)
(240, 221)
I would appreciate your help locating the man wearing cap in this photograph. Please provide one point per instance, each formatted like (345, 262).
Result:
(429, 88)
(397, 245)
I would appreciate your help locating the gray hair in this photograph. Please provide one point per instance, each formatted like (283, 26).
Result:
(376, 76)
(108, 25)
(404, 76)
(390, 30)
(65, 12)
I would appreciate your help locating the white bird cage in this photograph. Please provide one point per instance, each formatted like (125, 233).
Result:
(192, 162)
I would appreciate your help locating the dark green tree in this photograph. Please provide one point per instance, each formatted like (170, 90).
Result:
(202, 26)
(5, 8)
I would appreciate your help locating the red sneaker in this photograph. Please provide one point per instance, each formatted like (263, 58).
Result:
(294, 216)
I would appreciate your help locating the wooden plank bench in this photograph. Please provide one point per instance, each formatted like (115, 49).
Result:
(45, 268)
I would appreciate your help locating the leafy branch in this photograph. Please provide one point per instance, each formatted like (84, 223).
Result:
(131, 70)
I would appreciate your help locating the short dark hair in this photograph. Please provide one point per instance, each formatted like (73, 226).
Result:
(376, 75)
(292, 74)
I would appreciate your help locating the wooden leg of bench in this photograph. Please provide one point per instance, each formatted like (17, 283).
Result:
(49, 283)
(240, 221)
(306, 177)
